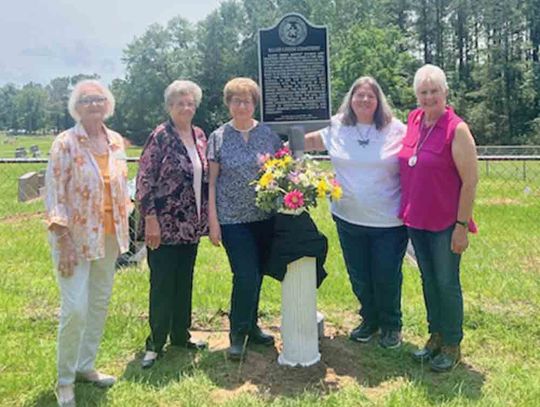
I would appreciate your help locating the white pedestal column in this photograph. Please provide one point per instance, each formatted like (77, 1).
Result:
(299, 314)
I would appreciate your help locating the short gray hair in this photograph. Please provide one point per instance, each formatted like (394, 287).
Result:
(80, 87)
(383, 114)
(431, 73)
(182, 88)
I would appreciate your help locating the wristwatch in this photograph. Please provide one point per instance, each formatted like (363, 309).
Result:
(465, 224)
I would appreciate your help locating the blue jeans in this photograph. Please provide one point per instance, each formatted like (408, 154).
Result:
(247, 246)
(439, 268)
(373, 257)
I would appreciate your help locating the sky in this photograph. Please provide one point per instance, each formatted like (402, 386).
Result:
(44, 39)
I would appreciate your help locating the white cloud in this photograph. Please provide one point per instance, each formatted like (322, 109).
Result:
(43, 39)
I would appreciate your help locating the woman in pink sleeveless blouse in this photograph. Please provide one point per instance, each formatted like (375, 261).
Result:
(438, 172)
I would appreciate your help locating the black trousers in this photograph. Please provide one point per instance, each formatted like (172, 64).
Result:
(171, 282)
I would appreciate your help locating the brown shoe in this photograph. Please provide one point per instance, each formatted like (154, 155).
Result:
(447, 359)
(430, 350)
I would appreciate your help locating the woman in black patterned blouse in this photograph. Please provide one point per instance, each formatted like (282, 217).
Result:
(172, 192)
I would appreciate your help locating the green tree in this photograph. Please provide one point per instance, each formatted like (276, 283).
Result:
(377, 52)
(58, 94)
(30, 103)
(160, 56)
(8, 110)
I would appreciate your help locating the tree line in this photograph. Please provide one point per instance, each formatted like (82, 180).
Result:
(489, 50)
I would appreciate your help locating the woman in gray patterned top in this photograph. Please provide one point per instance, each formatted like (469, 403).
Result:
(233, 153)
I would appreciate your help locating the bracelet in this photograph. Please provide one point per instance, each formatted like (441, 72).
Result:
(462, 223)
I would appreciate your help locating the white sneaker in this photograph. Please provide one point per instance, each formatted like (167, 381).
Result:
(65, 395)
(98, 379)
(149, 359)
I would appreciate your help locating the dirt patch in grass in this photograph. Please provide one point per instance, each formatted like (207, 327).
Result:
(343, 363)
(22, 217)
(499, 201)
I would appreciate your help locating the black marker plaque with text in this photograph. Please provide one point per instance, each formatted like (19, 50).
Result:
(293, 72)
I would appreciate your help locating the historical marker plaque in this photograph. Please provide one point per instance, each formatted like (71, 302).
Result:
(294, 73)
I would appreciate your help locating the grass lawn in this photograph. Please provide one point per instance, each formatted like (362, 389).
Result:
(8, 144)
(501, 282)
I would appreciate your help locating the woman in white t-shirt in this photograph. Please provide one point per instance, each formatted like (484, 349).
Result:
(363, 141)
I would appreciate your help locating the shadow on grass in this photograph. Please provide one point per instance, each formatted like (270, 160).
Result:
(370, 366)
(86, 395)
(342, 361)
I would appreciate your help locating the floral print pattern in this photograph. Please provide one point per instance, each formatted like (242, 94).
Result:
(165, 186)
(75, 192)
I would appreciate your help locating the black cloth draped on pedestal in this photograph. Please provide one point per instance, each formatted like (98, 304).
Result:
(294, 237)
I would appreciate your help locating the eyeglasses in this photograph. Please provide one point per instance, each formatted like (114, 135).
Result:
(184, 105)
(238, 102)
(88, 100)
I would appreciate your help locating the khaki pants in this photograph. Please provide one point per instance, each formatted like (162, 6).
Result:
(84, 301)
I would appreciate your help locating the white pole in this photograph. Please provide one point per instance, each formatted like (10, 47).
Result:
(299, 331)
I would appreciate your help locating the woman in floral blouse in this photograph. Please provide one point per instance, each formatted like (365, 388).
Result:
(87, 206)
(172, 191)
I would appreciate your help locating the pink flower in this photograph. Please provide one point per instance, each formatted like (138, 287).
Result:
(294, 199)
(282, 152)
(334, 182)
(294, 177)
(262, 158)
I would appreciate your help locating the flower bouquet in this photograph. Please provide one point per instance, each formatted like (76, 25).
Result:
(289, 188)
(292, 186)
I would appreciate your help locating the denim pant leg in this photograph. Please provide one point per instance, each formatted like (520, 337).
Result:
(354, 242)
(241, 246)
(439, 267)
(262, 231)
(388, 247)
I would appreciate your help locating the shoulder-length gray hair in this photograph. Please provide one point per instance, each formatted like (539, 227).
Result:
(383, 114)
(83, 85)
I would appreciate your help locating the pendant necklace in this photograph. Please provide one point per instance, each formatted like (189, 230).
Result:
(363, 138)
(414, 158)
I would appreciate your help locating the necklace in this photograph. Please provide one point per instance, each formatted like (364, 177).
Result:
(414, 158)
(363, 138)
(98, 146)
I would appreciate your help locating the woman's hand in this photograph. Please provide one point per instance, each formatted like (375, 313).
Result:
(68, 255)
(460, 241)
(215, 233)
(152, 235)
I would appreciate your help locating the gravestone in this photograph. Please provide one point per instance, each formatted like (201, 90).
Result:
(29, 185)
(34, 150)
(294, 75)
(20, 152)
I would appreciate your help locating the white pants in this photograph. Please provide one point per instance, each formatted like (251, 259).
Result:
(85, 298)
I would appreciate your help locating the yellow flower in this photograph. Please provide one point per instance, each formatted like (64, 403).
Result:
(269, 164)
(266, 179)
(336, 193)
(322, 188)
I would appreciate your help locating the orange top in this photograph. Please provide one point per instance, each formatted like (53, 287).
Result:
(108, 220)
